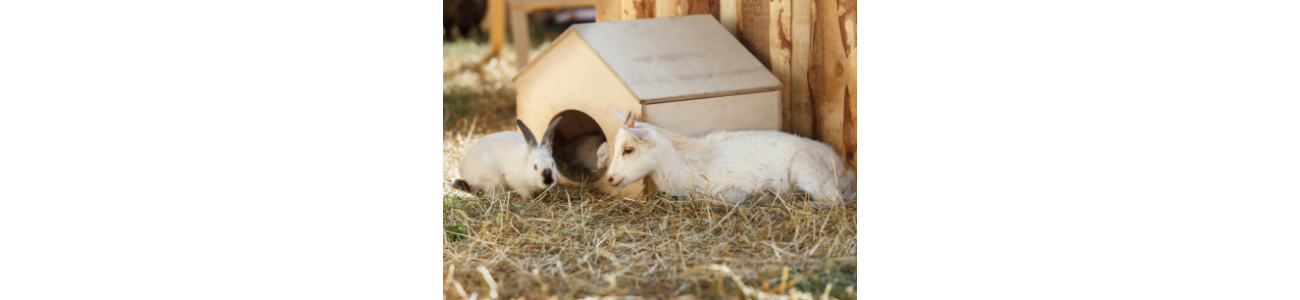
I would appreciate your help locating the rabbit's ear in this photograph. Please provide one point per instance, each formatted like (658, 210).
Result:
(528, 134)
(550, 131)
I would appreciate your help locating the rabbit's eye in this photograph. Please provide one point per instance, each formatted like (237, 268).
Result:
(628, 150)
(534, 167)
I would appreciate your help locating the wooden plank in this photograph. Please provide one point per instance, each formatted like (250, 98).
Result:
(608, 10)
(675, 58)
(519, 28)
(665, 8)
(753, 111)
(779, 45)
(753, 28)
(848, 24)
(531, 5)
(704, 7)
(645, 9)
(830, 73)
(728, 15)
(497, 31)
(713, 94)
(627, 9)
(800, 61)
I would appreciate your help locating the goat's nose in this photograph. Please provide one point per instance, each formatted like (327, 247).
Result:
(610, 179)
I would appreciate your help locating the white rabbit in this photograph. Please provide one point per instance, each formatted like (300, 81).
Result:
(586, 151)
(602, 155)
(513, 158)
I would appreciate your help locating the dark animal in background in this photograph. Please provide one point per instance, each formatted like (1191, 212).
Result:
(463, 15)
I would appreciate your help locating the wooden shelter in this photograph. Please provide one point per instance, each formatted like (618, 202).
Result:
(809, 45)
(686, 74)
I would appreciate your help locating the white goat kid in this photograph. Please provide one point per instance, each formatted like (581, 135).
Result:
(513, 158)
(732, 164)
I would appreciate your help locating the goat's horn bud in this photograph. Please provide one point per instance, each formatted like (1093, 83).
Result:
(631, 121)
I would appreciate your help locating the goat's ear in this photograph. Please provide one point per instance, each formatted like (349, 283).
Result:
(550, 131)
(528, 134)
(639, 133)
(619, 114)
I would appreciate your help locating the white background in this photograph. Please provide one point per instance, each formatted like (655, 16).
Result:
(1008, 150)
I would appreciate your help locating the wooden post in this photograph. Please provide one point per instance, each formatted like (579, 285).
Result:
(779, 45)
(833, 72)
(665, 8)
(608, 10)
(800, 61)
(497, 30)
(728, 12)
(627, 10)
(519, 24)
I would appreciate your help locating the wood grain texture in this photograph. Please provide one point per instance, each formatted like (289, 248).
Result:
(677, 58)
(809, 46)
(848, 24)
(665, 8)
(779, 45)
(608, 10)
(831, 72)
(752, 111)
(703, 7)
(801, 118)
(753, 26)
(627, 9)
(728, 10)
(645, 9)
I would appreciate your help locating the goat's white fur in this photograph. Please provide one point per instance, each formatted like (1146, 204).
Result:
(514, 159)
(729, 164)
(587, 151)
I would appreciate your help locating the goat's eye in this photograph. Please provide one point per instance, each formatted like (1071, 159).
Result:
(627, 150)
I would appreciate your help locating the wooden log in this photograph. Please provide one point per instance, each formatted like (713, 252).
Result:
(753, 25)
(701, 7)
(665, 8)
(848, 21)
(800, 111)
(809, 45)
(645, 9)
(728, 10)
(627, 9)
(830, 74)
(608, 10)
(779, 45)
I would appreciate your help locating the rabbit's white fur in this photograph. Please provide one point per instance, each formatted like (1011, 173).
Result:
(602, 155)
(729, 164)
(587, 151)
(516, 159)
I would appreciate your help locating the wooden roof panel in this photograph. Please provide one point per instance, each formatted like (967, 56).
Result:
(668, 59)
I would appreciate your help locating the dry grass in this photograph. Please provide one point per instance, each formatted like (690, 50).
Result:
(579, 243)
